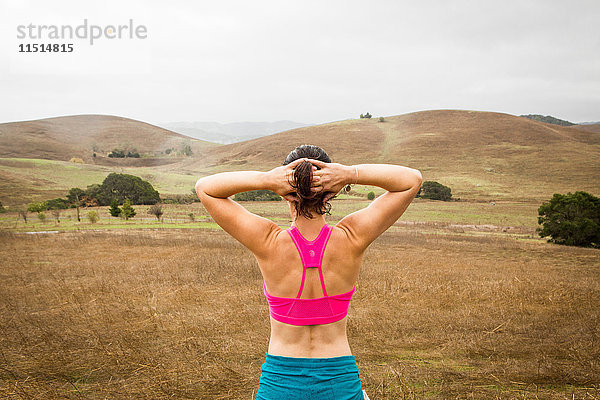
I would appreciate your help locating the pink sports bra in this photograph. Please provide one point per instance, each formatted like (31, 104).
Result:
(322, 310)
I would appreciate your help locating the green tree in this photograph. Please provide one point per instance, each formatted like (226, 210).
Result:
(75, 197)
(371, 195)
(257, 195)
(121, 186)
(57, 204)
(571, 219)
(37, 207)
(94, 192)
(114, 209)
(127, 210)
(435, 191)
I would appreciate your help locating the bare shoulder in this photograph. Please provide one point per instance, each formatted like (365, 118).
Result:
(352, 242)
(274, 236)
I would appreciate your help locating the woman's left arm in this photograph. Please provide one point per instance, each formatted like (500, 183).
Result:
(252, 230)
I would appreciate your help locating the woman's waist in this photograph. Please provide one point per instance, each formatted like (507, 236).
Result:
(314, 341)
(347, 362)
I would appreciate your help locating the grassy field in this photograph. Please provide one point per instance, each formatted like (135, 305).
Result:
(30, 180)
(443, 310)
(132, 314)
(455, 216)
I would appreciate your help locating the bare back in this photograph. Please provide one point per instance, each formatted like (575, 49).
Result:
(282, 272)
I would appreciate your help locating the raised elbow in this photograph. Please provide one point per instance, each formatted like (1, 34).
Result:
(198, 187)
(419, 175)
(418, 178)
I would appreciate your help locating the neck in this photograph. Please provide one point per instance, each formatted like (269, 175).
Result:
(309, 226)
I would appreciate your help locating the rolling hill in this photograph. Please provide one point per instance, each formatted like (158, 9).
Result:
(81, 136)
(589, 127)
(482, 156)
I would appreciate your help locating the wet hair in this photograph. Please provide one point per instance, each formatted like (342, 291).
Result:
(301, 181)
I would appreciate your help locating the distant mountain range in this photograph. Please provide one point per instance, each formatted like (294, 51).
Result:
(232, 132)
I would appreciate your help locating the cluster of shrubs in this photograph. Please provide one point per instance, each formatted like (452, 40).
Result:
(257, 195)
(116, 153)
(368, 116)
(434, 191)
(125, 212)
(115, 187)
(186, 150)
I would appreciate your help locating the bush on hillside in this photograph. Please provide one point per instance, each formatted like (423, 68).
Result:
(2, 209)
(434, 191)
(257, 195)
(371, 195)
(367, 115)
(571, 219)
(186, 150)
(118, 153)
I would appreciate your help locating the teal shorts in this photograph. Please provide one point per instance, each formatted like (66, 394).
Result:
(293, 378)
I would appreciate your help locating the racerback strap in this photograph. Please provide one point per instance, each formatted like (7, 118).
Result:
(311, 252)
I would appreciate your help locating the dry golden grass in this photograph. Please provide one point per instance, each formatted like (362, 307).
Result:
(180, 314)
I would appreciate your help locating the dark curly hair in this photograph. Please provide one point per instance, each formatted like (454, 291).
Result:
(301, 181)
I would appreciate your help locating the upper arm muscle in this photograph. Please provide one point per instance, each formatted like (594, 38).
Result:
(252, 230)
(365, 225)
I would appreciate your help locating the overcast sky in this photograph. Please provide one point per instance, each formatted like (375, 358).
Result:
(305, 61)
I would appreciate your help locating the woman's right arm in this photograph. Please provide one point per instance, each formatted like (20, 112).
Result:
(364, 226)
